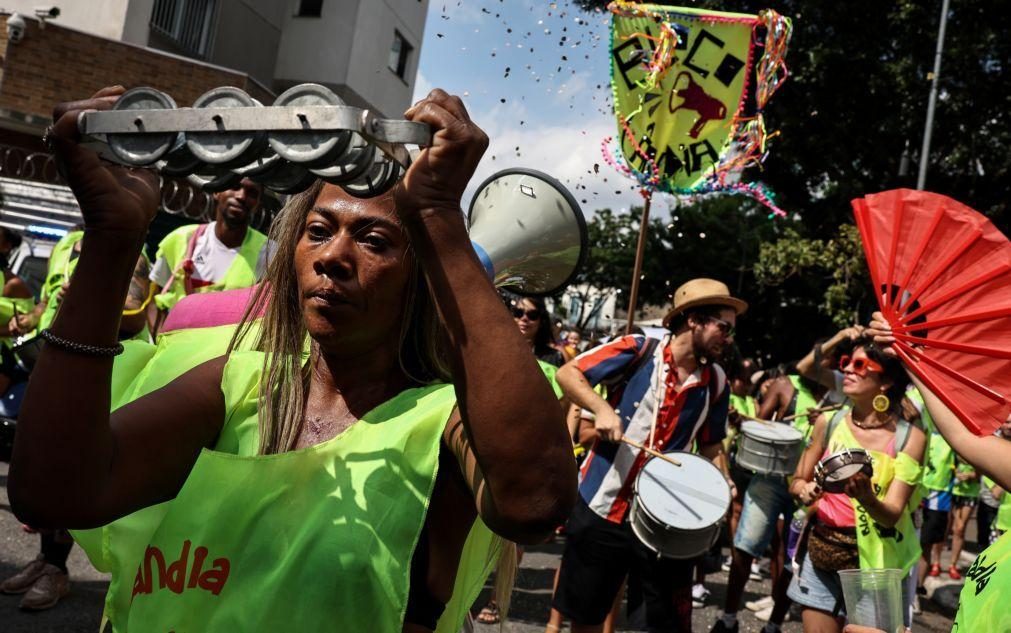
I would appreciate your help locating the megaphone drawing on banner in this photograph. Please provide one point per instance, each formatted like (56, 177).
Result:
(528, 231)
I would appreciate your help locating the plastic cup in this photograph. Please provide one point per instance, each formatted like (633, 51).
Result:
(874, 598)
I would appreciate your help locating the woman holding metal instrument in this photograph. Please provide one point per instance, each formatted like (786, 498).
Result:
(863, 517)
(336, 486)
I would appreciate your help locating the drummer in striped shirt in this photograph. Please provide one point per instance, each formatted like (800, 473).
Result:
(679, 372)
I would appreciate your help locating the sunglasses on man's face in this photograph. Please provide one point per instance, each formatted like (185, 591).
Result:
(726, 328)
(859, 366)
(531, 315)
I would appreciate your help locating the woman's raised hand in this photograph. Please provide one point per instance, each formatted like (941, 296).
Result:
(881, 332)
(113, 198)
(439, 175)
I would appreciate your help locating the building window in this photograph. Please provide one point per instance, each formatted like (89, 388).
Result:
(400, 53)
(186, 22)
(310, 8)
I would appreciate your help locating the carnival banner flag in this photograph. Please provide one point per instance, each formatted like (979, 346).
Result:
(681, 80)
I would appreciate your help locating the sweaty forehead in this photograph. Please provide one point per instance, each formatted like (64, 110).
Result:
(333, 198)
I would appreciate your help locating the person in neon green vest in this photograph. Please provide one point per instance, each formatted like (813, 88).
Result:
(222, 255)
(338, 488)
(983, 600)
(873, 513)
(15, 299)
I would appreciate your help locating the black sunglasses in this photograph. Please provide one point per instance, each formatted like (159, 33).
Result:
(726, 328)
(532, 315)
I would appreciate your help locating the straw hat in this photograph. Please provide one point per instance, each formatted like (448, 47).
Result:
(703, 292)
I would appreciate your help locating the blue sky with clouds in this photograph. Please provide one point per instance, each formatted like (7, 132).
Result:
(535, 75)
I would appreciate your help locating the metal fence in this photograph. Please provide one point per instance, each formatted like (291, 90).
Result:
(185, 22)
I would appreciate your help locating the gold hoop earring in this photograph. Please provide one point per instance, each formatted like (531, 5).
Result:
(881, 403)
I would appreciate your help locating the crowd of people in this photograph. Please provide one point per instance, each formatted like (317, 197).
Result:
(348, 418)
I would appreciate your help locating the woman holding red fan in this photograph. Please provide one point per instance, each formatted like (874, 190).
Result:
(982, 605)
(867, 524)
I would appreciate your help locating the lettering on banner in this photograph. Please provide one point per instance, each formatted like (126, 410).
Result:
(182, 574)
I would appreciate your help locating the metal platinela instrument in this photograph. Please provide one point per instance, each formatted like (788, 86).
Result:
(308, 133)
(832, 472)
(678, 511)
(769, 448)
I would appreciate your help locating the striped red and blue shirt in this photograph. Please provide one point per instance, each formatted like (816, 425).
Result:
(695, 410)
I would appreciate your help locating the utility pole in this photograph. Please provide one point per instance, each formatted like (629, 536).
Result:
(921, 180)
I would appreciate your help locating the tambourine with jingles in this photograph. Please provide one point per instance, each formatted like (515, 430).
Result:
(308, 133)
(833, 471)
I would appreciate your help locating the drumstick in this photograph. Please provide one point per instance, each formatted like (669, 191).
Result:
(788, 418)
(650, 451)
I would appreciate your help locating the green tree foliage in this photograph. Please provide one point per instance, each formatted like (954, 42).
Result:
(855, 100)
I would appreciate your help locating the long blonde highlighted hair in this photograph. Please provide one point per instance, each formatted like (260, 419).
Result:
(283, 334)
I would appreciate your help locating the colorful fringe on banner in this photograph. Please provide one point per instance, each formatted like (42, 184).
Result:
(686, 132)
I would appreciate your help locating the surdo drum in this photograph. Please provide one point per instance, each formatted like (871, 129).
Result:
(833, 471)
(769, 448)
(677, 511)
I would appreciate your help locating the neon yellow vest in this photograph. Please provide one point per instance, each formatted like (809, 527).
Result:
(305, 540)
(804, 401)
(57, 272)
(982, 605)
(744, 404)
(9, 306)
(1003, 521)
(118, 548)
(881, 547)
(241, 274)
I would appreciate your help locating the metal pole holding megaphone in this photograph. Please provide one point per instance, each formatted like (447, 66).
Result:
(640, 250)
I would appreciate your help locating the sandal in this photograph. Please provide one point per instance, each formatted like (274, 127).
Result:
(489, 614)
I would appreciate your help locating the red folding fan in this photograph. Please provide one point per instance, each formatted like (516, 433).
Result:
(942, 274)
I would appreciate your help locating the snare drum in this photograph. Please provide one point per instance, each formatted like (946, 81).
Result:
(770, 449)
(832, 472)
(677, 511)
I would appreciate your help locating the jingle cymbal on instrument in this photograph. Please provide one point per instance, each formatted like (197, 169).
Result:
(212, 178)
(350, 165)
(141, 148)
(832, 472)
(287, 178)
(381, 178)
(309, 148)
(223, 147)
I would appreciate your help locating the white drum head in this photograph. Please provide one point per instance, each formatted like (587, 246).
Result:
(691, 497)
(843, 472)
(776, 431)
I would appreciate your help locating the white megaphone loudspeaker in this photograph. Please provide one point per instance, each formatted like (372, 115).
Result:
(528, 231)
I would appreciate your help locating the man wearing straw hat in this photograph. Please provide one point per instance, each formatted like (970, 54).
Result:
(601, 548)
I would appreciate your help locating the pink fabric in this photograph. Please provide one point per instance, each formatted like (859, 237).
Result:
(835, 509)
(209, 309)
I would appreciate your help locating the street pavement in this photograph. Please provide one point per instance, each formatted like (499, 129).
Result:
(81, 610)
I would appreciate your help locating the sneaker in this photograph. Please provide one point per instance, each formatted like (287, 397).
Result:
(756, 573)
(720, 627)
(52, 585)
(916, 605)
(726, 564)
(935, 570)
(758, 605)
(25, 578)
(764, 614)
(953, 573)
(699, 596)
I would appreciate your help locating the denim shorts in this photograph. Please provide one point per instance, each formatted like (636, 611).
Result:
(822, 590)
(766, 499)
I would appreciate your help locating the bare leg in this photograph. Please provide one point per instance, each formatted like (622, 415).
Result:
(612, 616)
(960, 520)
(781, 601)
(816, 621)
(778, 552)
(740, 568)
(555, 619)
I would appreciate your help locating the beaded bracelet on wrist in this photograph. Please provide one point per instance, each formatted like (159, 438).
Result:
(80, 348)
